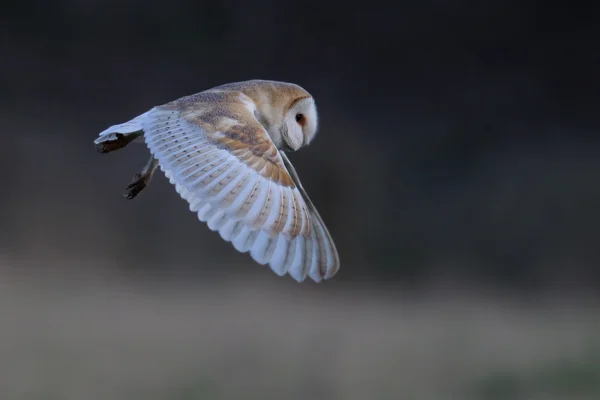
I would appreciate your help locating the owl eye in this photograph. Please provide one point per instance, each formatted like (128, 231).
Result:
(299, 118)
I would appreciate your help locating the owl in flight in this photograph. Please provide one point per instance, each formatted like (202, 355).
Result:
(224, 150)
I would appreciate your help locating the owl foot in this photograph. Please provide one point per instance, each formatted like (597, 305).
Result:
(141, 179)
(121, 141)
(139, 182)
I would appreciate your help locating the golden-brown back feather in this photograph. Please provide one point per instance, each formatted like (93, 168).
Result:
(224, 115)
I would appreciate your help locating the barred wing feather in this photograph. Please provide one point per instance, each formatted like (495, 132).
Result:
(237, 182)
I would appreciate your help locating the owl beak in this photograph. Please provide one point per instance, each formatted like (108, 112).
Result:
(286, 147)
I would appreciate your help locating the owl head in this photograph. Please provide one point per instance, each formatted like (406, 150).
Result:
(286, 110)
(299, 125)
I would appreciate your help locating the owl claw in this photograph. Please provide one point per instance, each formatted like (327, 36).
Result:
(138, 184)
(141, 179)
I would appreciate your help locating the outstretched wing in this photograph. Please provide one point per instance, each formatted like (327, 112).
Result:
(222, 161)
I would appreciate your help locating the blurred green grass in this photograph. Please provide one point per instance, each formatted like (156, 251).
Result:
(98, 338)
(566, 378)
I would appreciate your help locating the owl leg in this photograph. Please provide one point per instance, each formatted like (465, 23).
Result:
(141, 179)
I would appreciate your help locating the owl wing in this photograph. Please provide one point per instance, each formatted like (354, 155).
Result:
(223, 163)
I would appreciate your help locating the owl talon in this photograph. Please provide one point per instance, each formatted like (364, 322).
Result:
(138, 184)
(141, 179)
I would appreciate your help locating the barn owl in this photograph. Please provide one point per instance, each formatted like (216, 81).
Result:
(224, 150)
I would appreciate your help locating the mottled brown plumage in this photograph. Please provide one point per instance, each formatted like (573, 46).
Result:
(223, 113)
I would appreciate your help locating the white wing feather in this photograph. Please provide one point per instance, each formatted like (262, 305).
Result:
(237, 201)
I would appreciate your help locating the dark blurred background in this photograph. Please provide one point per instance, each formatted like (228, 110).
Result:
(457, 138)
(458, 143)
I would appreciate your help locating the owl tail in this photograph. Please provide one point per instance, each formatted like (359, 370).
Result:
(119, 136)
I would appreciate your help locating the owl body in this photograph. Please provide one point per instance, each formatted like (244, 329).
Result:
(224, 151)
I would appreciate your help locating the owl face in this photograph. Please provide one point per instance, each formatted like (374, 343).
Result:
(286, 110)
(299, 125)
